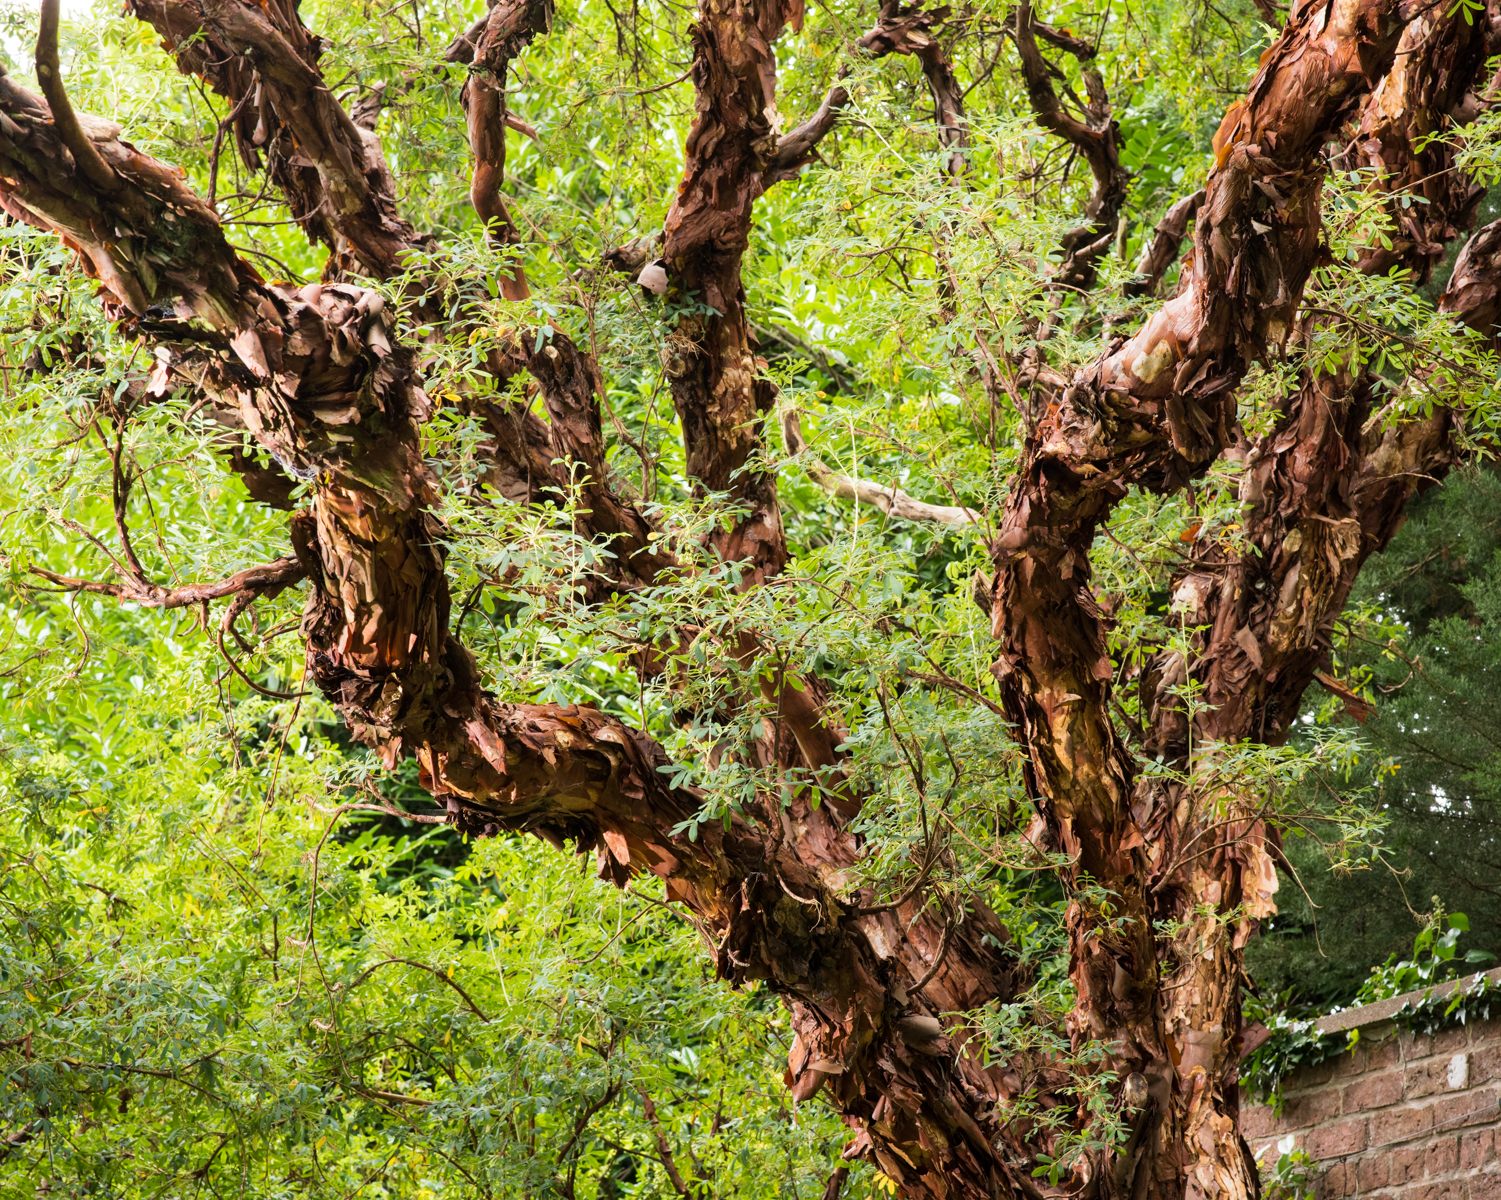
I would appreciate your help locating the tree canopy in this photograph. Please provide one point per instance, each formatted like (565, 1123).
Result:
(721, 599)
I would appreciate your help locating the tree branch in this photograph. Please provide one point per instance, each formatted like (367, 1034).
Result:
(49, 74)
(892, 501)
(263, 61)
(323, 384)
(1162, 251)
(510, 25)
(1096, 137)
(266, 579)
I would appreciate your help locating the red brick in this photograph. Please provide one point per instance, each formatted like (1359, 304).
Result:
(1373, 1171)
(1337, 1139)
(1427, 1077)
(1443, 1041)
(1376, 1090)
(1308, 1078)
(1485, 1186)
(1338, 1183)
(1452, 1040)
(1443, 1157)
(1257, 1122)
(1309, 1107)
(1466, 1108)
(1372, 1055)
(1404, 1165)
(1476, 1148)
(1394, 1125)
(1485, 1063)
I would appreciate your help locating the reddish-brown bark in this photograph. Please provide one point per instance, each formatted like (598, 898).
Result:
(509, 26)
(263, 60)
(320, 382)
(1169, 855)
(1093, 133)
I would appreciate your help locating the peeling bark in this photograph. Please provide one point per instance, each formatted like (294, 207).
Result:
(317, 375)
(263, 61)
(1094, 135)
(511, 24)
(708, 356)
(1154, 412)
(321, 383)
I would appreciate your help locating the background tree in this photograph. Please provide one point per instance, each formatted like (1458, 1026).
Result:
(1421, 635)
(998, 860)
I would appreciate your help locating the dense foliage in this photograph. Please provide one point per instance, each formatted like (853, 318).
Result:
(243, 955)
(1423, 633)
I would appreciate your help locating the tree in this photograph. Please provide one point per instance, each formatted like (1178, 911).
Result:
(1421, 627)
(1257, 435)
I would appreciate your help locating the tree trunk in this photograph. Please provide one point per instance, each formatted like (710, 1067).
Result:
(1186, 869)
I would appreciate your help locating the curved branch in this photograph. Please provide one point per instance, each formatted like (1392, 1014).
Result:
(325, 386)
(899, 30)
(49, 74)
(266, 579)
(509, 26)
(263, 61)
(1162, 251)
(1096, 137)
(892, 501)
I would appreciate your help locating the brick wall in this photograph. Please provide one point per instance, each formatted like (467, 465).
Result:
(1405, 1117)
